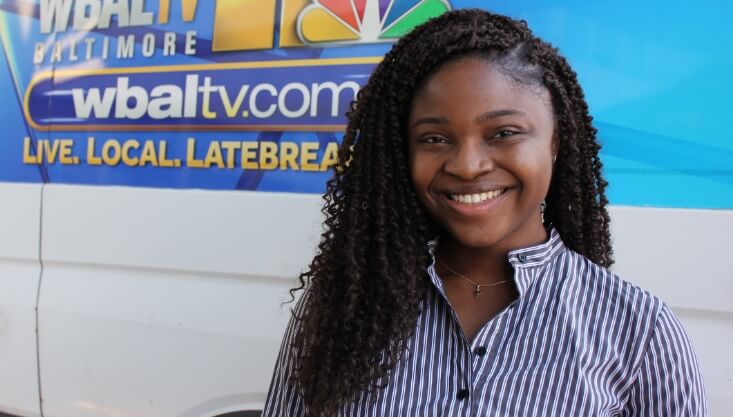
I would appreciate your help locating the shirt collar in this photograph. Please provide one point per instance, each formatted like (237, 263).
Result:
(431, 268)
(537, 254)
(524, 258)
(529, 260)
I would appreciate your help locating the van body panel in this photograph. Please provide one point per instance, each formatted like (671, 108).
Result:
(191, 315)
(684, 257)
(20, 272)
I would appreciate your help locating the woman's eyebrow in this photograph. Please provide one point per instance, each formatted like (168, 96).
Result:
(440, 120)
(498, 113)
(431, 120)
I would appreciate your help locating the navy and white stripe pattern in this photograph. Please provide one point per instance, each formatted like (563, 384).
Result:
(578, 341)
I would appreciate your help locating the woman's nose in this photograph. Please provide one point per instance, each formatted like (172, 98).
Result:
(469, 160)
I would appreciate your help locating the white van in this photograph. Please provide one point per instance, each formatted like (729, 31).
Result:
(161, 165)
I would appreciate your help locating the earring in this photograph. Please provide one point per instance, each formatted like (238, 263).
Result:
(543, 205)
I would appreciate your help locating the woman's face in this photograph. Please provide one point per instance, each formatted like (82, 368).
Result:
(480, 154)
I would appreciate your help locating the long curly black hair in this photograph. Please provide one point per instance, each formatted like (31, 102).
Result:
(365, 285)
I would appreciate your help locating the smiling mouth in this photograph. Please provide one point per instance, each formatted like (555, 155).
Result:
(476, 198)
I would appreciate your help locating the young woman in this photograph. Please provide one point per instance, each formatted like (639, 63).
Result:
(462, 270)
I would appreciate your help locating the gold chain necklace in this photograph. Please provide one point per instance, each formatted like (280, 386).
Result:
(477, 286)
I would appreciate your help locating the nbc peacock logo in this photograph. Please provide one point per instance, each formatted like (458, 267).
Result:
(242, 25)
(363, 21)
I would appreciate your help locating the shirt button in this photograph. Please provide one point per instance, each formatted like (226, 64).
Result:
(480, 351)
(462, 394)
(522, 257)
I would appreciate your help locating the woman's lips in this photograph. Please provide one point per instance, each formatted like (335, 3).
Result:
(476, 202)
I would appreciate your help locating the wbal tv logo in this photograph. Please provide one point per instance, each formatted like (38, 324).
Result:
(287, 95)
(240, 25)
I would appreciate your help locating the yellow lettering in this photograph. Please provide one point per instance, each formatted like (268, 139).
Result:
(188, 10)
(249, 155)
(148, 155)
(191, 160)
(49, 150)
(308, 156)
(230, 149)
(111, 152)
(65, 150)
(288, 155)
(126, 148)
(163, 160)
(206, 106)
(330, 156)
(268, 155)
(213, 155)
(91, 158)
(27, 157)
(164, 11)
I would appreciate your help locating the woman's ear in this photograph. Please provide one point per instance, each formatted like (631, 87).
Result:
(555, 146)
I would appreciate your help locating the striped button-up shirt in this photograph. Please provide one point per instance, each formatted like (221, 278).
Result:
(578, 341)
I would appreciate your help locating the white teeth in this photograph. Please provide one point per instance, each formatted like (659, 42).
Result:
(475, 198)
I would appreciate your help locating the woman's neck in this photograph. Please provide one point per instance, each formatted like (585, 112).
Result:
(482, 264)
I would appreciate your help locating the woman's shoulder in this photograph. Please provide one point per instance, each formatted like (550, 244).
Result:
(589, 279)
(605, 313)
(636, 334)
(610, 305)
(586, 288)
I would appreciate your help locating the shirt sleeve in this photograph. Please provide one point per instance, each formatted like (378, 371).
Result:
(283, 398)
(668, 383)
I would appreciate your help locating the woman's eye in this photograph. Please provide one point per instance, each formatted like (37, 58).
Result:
(505, 133)
(433, 139)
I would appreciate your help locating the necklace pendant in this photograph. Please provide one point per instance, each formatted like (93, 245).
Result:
(477, 291)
